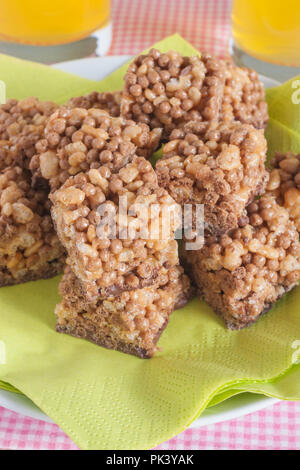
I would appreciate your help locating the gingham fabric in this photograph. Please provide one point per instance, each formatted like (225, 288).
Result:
(136, 25)
(140, 23)
(274, 428)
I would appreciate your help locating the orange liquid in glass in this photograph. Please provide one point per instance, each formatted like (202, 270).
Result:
(50, 22)
(268, 29)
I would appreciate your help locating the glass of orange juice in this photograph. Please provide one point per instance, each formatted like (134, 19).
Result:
(54, 22)
(266, 36)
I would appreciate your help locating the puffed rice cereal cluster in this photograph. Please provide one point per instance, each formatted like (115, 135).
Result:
(284, 183)
(126, 252)
(244, 97)
(168, 90)
(244, 272)
(165, 90)
(78, 139)
(106, 101)
(222, 168)
(29, 246)
(122, 280)
(22, 124)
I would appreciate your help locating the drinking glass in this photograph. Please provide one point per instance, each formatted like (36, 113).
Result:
(43, 26)
(266, 36)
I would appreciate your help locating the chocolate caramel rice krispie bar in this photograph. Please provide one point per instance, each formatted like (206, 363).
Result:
(131, 322)
(78, 139)
(165, 90)
(222, 168)
(29, 246)
(284, 183)
(244, 272)
(125, 255)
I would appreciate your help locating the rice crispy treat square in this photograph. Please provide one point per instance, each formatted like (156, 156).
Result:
(132, 322)
(114, 260)
(108, 101)
(166, 90)
(222, 168)
(21, 125)
(284, 183)
(244, 97)
(243, 273)
(29, 246)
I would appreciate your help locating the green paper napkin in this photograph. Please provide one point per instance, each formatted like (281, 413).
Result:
(283, 131)
(23, 78)
(105, 399)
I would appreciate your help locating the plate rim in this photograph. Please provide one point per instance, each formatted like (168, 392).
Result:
(22, 404)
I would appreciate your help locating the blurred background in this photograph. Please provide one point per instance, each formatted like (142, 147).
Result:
(264, 35)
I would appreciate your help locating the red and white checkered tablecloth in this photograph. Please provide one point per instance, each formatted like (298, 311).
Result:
(139, 23)
(136, 25)
(275, 428)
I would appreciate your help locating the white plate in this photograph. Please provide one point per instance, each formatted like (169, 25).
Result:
(234, 407)
(98, 68)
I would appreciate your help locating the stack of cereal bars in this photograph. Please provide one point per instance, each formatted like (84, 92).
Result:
(120, 284)
(78, 193)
